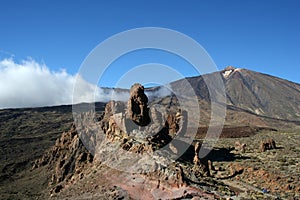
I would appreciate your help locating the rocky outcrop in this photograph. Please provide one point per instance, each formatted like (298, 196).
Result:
(137, 106)
(123, 131)
(201, 167)
(173, 122)
(113, 121)
(240, 147)
(168, 177)
(125, 124)
(67, 159)
(267, 145)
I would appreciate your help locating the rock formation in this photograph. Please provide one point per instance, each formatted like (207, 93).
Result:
(66, 159)
(137, 106)
(240, 147)
(127, 128)
(267, 145)
(201, 167)
(173, 123)
(132, 126)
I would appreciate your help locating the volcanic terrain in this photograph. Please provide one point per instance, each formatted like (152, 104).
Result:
(133, 149)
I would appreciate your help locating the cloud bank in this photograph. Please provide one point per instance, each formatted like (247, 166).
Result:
(32, 84)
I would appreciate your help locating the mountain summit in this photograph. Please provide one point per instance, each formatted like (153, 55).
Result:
(252, 92)
(262, 94)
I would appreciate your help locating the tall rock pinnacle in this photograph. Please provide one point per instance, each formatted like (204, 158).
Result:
(137, 106)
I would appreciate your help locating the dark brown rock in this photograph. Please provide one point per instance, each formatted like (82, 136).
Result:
(267, 145)
(172, 123)
(137, 107)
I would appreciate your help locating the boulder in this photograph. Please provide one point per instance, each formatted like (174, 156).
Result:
(267, 145)
(240, 147)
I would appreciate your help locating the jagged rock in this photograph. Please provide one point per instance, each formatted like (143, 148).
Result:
(137, 107)
(240, 147)
(267, 145)
(173, 123)
(66, 159)
(113, 121)
(201, 167)
(196, 157)
(169, 177)
(113, 107)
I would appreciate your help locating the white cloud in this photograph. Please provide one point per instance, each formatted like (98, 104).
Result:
(31, 84)
(163, 91)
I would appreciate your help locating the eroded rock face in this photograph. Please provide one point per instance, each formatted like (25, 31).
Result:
(137, 107)
(66, 159)
(170, 177)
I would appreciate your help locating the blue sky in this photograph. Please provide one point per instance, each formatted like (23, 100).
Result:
(261, 35)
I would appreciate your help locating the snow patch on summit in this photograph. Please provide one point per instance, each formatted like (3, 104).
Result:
(228, 71)
(226, 74)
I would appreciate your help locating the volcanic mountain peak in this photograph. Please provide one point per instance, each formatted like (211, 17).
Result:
(263, 94)
(257, 94)
(228, 71)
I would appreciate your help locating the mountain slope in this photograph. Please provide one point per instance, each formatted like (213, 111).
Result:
(256, 93)
(263, 94)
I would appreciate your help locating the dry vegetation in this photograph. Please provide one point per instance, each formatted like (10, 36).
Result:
(276, 170)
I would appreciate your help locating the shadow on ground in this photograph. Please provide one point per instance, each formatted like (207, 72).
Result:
(216, 154)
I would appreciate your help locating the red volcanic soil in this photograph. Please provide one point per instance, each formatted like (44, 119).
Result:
(137, 186)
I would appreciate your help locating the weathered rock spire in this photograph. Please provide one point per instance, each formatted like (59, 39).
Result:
(137, 106)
